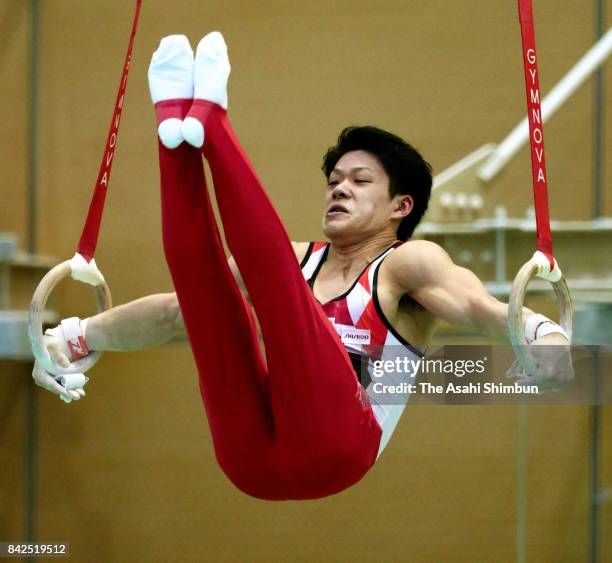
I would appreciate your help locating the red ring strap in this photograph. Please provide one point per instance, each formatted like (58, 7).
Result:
(89, 237)
(536, 131)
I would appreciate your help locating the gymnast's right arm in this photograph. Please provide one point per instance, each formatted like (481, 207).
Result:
(150, 321)
(143, 323)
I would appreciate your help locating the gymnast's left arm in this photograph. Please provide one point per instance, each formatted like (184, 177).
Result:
(426, 272)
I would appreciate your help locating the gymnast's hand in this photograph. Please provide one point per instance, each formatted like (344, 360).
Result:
(555, 368)
(59, 353)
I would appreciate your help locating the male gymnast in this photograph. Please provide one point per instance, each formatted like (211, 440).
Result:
(299, 423)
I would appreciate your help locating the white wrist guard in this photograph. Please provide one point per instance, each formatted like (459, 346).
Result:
(72, 333)
(538, 325)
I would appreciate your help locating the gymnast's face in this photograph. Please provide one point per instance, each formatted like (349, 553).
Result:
(357, 201)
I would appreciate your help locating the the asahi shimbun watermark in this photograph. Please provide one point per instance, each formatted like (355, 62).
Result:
(448, 367)
(488, 375)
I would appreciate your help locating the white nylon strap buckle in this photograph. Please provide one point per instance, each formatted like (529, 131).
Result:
(544, 270)
(84, 271)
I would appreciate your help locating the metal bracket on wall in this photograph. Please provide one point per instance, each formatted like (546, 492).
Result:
(18, 271)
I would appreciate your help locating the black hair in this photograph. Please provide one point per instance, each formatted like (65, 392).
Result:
(408, 172)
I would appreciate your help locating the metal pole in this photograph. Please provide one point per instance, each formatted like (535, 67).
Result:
(31, 437)
(33, 75)
(598, 176)
(595, 463)
(521, 484)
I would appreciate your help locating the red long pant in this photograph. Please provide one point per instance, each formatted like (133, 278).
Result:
(299, 427)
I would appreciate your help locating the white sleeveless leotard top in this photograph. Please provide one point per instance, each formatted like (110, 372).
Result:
(369, 339)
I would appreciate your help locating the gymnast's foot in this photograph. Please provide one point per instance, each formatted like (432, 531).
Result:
(171, 87)
(211, 72)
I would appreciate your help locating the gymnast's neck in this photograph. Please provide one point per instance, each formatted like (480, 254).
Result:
(348, 253)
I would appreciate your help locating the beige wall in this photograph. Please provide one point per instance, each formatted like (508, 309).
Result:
(13, 138)
(129, 473)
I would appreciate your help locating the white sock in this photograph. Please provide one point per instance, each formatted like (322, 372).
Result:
(211, 72)
(171, 78)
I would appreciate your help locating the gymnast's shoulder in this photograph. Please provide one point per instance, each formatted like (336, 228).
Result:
(416, 263)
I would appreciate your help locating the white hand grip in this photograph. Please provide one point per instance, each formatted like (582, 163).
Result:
(73, 380)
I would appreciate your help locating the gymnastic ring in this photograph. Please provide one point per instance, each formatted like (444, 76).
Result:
(37, 307)
(516, 327)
